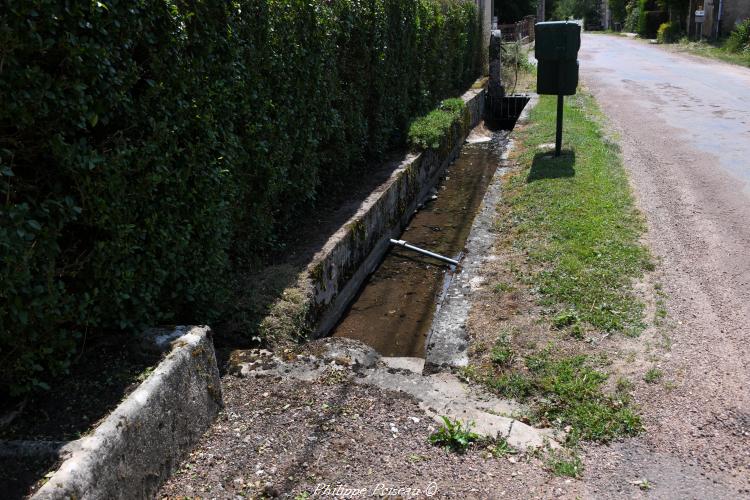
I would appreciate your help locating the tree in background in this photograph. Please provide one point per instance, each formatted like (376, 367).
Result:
(511, 11)
(619, 10)
(677, 9)
(577, 9)
(632, 17)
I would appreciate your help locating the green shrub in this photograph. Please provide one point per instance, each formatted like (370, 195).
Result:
(739, 38)
(668, 33)
(146, 145)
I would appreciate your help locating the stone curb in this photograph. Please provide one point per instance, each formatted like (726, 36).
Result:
(447, 341)
(139, 444)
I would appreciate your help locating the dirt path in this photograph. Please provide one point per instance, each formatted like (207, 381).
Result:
(332, 438)
(684, 127)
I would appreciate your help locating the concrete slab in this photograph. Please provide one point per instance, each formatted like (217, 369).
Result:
(440, 394)
(409, 364)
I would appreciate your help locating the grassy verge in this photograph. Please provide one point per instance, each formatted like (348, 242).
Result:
(713, 50)
(574, 217)
(570, 253)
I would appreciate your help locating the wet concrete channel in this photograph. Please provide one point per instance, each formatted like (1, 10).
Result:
(394, 310)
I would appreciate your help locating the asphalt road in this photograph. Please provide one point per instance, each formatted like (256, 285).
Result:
(684, 128)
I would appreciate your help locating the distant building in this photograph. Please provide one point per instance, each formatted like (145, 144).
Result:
(721, 15)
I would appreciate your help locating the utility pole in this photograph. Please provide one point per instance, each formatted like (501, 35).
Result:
(540, 11)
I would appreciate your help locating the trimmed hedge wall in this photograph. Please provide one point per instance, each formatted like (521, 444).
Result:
(146, 147)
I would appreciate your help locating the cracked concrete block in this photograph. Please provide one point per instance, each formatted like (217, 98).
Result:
(414, 365)
(349, 352)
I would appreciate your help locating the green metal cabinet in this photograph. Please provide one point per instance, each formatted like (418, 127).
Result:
(556, 50)
(557, 77)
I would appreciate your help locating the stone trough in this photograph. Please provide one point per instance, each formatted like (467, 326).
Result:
(131, 452)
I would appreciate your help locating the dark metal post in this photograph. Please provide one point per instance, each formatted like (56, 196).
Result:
(558, 137)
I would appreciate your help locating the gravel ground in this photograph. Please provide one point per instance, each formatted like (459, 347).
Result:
(285, 438)
(685, 138)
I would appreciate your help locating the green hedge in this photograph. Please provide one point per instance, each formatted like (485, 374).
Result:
(147, 147)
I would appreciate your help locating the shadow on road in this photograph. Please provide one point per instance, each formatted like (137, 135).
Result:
(547, 166)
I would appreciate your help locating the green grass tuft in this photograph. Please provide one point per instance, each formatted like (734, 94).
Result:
(565, 464)
(429, 131)
(653, 375)
(502, 352)
(454, 436)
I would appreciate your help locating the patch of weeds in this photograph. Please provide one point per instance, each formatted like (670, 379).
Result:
(503, 288)
(430, 130)
(502, 352)
(479, 347)
(566, 464)
(500, 448)
(565, 318)
(302, 496)
(570, 319)
(661, 310)
(573, 395)
(666, 341)
(644, 484)
(566, 391)
(418, 458)
(653, 375)
(623, 385)
(145, 374)
(453, 435)
(513, 385)
(670, 385)
(469, 373)
(576, 331)
(715, 50)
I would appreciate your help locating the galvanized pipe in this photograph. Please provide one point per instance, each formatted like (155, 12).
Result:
(404, 244)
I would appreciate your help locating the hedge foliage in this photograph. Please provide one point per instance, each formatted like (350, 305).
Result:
(146, 147)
